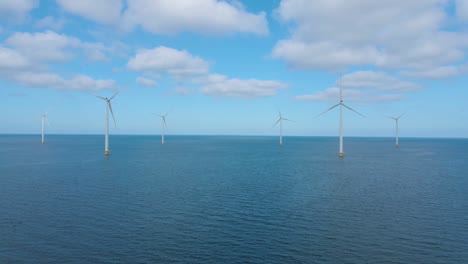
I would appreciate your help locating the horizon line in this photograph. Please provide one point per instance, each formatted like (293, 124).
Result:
(221, 135)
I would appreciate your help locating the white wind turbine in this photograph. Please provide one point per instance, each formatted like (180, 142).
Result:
(280, 121)
(164, 126)
(108, 107)
(44, 119)
(341, 105)
(396, 132)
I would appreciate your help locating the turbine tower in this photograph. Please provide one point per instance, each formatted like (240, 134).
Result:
(280, 121)
(341, 105)
(44, 119)
(164, 126)
(108, 107)
(396, 132)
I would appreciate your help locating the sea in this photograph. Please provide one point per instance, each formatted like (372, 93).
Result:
(232, 199)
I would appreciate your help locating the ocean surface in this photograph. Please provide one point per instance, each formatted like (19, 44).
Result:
(227, 199)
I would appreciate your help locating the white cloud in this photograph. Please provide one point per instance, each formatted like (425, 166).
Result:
(49, 46)
(364, 86)
(183, 66)
(177, 63)
(146, 82)
(377, 80)
(333, 94)
(323, 55)
(49, 22)
(51, 80)
(461, 8)
(439, 72)
(201, 16)
(399, 34)
(11, 60)
(219, 85)
(26, 60)
(182, 91)
(102, 11)
(16, 10)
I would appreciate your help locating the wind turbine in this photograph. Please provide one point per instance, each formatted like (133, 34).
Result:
(108, 107)
(44, 119)
(280, 121)
(341, 105)
(164, 126)
(396, 132)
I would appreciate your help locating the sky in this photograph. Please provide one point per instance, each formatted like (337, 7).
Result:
(227, 67)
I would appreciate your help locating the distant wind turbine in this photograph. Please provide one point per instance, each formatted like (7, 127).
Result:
(280, 121)
(341, 105)
(164, 126)
(396, 132)
(108, 107)
(44, 119)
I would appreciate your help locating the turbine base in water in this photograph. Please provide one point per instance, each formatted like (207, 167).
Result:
(341, 154)
(106, 153)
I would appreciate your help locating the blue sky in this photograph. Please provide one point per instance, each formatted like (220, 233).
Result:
(225, 67)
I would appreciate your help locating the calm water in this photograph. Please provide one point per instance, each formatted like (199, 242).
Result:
(232, 200)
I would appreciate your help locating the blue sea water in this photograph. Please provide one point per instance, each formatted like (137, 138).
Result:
(232, 199)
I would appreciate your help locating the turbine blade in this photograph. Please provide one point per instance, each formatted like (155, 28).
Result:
(279, 119)
(165, 125)
(103, 98)
(353, 110)
(401, 115)
(289, 120)
(115, 94)
(326, 110)
(112, 114)
(391, 117)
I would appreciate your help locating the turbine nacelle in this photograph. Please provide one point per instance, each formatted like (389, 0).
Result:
(396, 118)
(281, 118)
(396, 127)
(109, 105)
(163, 117)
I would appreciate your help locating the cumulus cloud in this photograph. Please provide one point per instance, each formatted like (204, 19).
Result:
(49, 22)
(461, 8)
(323, 55)
(219, 85)
(182, 91)
(102, 11)
(439, 72)
(364, 86)
(16, 10)
(377, 80)
(51, 80)
(333, 94)
(46, 46)
(201, 16)
(336, 34)
(50, 46)
(169, 17)
(26, 57)
(146, 82)
(177, 63)
(11, 60)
